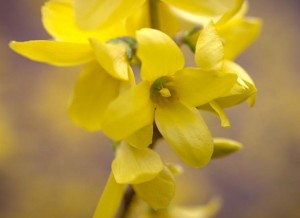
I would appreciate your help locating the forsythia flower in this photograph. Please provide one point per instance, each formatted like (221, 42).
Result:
(244, 87)
(106, 71)
(92, 14)
(169, 95)
(236, 32)
(208, 210)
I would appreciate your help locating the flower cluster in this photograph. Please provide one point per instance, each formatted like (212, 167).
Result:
(135, 86)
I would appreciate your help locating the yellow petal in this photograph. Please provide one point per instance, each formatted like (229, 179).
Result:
(188, 19)
(219, 110)
(91, 14)
(129, 112)
(94, 91)
(238, 35)
(224, 147)
(132, 165)
(110, 199)
(197, 87)
(186, 132)
(207, 7)
(243, 90)
(58, 19)
(53, 52)
(159, 54)
(238, 6)
(138, 19)
(169, 22)
(112, 57)
(158, 192)
(141, 138)
(204, 211)
(209, 52)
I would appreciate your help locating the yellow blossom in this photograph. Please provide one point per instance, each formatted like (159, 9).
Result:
(244, 89)
(174, 111)
(208, 210)
(106, 70)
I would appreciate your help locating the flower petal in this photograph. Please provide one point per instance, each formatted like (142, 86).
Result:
(159, 54)
(243, 90)
(91, 14)
(197, 87)
(132, 165)
(186, 132)
(95, 89)
(238, 34)
(110, 199)
(141, 138)
(53, 52)
(158, 192)
(204, 211)
(129, 112)
(112, 57)
(208, 7)
(220, 112)
(209, 52)
(58, 19)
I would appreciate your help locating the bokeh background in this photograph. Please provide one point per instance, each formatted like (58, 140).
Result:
(51, 168)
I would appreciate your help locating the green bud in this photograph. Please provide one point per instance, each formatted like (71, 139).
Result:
(224, 147)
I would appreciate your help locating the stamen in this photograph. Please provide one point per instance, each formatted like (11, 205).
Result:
(165, 92)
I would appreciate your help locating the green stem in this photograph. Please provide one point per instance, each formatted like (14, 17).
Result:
(153, 13)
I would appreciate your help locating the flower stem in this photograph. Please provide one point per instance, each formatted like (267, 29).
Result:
(127, 200)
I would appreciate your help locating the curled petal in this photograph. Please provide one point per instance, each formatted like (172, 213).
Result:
(220, 112)
(132, 165)
(243, 90)
(158, 192)
(112, 57)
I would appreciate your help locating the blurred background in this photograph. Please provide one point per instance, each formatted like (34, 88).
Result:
(50, 168)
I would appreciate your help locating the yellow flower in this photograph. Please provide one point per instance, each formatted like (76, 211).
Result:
(91, 14)
(106, 69)
(208, 210)
(169, 95)
(236, 30)
(243, 90)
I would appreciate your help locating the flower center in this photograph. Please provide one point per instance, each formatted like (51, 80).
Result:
(162, 91)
